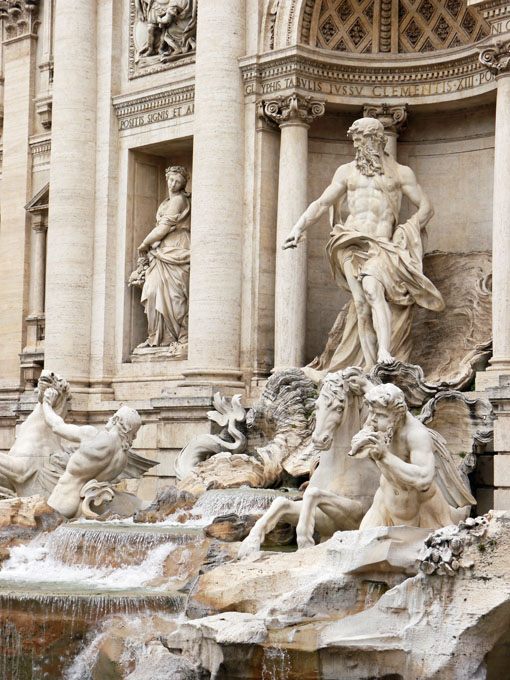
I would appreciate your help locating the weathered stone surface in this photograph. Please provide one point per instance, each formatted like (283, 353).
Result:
(231, 527)
(296, 586)
(168, 501)
(160, 664)
(24, 515)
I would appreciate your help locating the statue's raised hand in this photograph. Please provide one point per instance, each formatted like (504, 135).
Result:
(50, 396)
(292, 240)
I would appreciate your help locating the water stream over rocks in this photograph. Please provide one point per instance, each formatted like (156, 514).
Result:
(58, 590)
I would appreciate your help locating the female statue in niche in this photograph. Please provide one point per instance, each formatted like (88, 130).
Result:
(163, 269)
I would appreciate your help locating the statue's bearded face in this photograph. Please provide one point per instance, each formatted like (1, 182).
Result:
(381, 419)
(369, 152)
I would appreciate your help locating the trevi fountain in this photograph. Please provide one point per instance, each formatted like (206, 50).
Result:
(255, 340)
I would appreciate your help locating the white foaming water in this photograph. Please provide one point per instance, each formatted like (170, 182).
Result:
(35, 563)
(240, 501)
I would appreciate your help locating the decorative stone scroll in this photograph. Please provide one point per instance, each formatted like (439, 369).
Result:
(20, 17)
(496, 56)
(163, 32)
(282, 110)
(393, 118)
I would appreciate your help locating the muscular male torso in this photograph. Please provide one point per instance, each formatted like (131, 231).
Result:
(372, 201)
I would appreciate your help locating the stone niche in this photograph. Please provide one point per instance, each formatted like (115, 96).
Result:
(451, 152)
(147, 188)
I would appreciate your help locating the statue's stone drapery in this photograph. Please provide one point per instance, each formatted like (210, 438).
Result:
(163, 31)
(163, 269)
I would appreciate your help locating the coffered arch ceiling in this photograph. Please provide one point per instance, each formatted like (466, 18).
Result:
(372, 26)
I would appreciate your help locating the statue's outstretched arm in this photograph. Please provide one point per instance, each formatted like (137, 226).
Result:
(332, 195)
(74, 433)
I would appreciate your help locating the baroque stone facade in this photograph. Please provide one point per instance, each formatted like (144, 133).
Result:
(254, 99)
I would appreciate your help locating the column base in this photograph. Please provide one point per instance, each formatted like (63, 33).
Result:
(221, 377)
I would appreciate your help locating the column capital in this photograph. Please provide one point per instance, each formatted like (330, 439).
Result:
(293, 109)
(20, 18)
(495, 54)
(39, 222)
(393, 117)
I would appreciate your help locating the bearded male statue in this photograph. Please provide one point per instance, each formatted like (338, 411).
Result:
(373, 256)
(420, 485)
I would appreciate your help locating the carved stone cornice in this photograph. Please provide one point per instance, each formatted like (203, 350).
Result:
(495, 55)
(392, 117)
(20, 17)
(293, 108)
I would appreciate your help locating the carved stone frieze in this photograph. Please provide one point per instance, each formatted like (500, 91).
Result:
(283, 110)
(138, 111)
(162, 34)
(496, 56)
(20, 17)
(345, 77)
(392, 117)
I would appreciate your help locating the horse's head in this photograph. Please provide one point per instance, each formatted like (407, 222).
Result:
(50, 379)
(329, 410)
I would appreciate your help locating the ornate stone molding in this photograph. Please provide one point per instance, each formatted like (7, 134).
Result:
(392, 117)
(294, 108)
(362, 78)
(20, 18)
(154, 107)
(496, 56)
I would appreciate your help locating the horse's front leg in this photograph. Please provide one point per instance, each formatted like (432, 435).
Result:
(306, 524)
(281, 509)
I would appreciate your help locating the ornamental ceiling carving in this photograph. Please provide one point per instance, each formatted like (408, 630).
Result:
(391, 26)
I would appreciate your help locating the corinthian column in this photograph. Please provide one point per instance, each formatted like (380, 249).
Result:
(496, 56)
(294, 114)
(217, 199)
(72, 181)
(393, 119)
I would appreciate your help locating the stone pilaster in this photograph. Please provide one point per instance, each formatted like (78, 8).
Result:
(393, 117)
(72, 181)
(19, 49)
(293, 114)
(495, 55)
(217, 200)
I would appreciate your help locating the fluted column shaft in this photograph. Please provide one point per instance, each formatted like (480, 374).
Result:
(497, 58)
(294, 115)
(72, 203)
(217, 197)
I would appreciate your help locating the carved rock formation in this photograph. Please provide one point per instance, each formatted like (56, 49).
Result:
(279, 425)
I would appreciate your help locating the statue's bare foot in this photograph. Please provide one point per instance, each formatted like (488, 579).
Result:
(250, 545)
(144, 344)
(384, 357)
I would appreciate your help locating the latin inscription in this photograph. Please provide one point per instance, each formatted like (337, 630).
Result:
(139, 120)
(429, 89)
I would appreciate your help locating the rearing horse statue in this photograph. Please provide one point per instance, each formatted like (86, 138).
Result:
(340, 492)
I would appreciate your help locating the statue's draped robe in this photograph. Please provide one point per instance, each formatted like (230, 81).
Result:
(397, 265)
(165, 291)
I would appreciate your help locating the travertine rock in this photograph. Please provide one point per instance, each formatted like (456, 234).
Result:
(29, 512)
(166, 503)
(160, 664)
